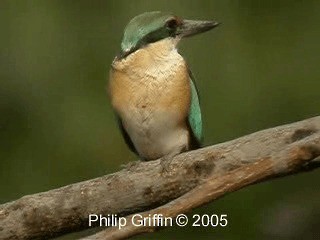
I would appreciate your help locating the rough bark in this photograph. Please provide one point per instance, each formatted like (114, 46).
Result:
(193, 179)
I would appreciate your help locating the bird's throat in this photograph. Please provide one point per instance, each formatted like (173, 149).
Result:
(155, 56)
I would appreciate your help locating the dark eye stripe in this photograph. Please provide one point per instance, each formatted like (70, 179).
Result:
(172, 23)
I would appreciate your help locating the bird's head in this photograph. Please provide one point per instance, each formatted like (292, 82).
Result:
(150, 27)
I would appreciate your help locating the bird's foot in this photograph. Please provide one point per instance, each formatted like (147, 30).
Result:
(166, 160)
(165, 163)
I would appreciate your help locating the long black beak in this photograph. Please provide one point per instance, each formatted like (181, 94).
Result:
(192, 27)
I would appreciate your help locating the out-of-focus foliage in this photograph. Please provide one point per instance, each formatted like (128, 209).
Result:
(258, 70)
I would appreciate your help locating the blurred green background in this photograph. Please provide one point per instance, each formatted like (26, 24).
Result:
(259, 69)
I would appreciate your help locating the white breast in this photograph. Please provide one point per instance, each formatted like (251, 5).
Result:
(155, 133)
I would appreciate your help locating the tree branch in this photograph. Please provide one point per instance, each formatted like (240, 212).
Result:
(194, 178)
(214, 187)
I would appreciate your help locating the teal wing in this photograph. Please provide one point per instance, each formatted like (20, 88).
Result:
(194, 117)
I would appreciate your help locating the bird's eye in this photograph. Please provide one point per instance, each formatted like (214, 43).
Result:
(172, 24)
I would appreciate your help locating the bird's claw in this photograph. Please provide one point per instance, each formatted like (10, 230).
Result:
(165, 164)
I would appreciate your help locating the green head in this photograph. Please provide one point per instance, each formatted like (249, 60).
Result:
(150, 27)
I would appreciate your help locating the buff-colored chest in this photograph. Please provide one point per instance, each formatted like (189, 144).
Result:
(150, 91)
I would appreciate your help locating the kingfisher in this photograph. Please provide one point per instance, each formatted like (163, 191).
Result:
(152, 90)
